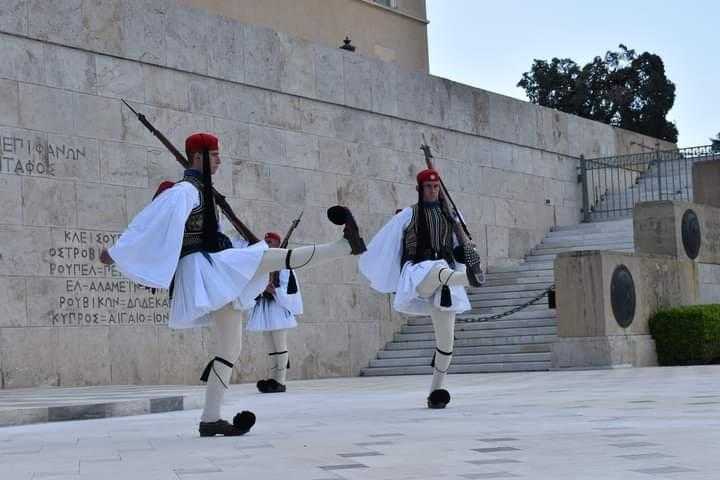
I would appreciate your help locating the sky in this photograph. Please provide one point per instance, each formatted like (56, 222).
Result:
(490, 44)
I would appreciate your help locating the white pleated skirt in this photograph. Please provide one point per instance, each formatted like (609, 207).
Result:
(268, 315)
(202, 287)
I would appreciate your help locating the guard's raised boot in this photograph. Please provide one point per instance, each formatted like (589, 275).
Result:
(242, 423)
(438, 398)
(340, 215)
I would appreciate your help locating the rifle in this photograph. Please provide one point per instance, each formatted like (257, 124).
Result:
(468, 251)
(220, 200)
(275, 276)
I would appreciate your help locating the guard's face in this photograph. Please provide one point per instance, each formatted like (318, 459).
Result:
(215, 161)
(430, 191)
(272, 242)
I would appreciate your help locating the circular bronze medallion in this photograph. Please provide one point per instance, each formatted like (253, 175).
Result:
(622, 296)
(691, 236)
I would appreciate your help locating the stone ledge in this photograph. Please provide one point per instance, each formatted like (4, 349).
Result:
(41, 405)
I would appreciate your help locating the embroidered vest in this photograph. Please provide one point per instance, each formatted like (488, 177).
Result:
(193, 237)
(438, 245)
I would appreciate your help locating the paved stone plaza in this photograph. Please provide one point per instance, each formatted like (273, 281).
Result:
(604, 424)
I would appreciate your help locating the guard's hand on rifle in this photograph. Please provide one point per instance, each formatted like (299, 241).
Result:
(270, 289)
(105, 257)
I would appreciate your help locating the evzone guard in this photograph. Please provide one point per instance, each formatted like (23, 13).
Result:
(274, 314)
(424, 255)
(175, 243)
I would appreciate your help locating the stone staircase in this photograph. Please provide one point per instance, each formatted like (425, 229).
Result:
(520, 342)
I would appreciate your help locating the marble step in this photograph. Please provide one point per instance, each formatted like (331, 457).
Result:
(492, 332)
(520, 287)
(523, 314)
(476, 342)
(599, 227)
(501, 302)
(481, 350)
(523, 267)
(620, 237)
(459, 368)
(464, 359)
(479, 296)
(543, 250)
(495, 324)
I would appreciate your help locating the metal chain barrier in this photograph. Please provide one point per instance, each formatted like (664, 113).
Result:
(507, 313)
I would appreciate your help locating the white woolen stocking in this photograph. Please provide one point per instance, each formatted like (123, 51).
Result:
(279, 372)
(226, 326)
(274, 258)
(444, 326)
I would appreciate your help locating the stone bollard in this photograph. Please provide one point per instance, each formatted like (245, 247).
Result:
(686, 231)
(604, 302)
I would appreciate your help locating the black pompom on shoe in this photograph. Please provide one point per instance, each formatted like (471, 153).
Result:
(438, 398)
(242, 423)
(340, 215)
(262, 386)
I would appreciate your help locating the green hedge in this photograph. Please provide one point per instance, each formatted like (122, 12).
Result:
(687, 335)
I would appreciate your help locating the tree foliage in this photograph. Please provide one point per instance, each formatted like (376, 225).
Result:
(622, 89)
(716, 143)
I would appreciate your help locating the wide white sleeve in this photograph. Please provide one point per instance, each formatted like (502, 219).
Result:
(292, 303)
(148, 251)
(380, 264)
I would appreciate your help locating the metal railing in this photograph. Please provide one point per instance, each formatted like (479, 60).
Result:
(612, 186)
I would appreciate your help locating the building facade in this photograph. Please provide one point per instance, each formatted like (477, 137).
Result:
(391, 30)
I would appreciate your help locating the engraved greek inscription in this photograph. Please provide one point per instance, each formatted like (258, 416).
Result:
(96, 294)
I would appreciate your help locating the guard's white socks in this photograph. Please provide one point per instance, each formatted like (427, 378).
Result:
(444, 327)
(280, 356)
(215, 392)
(440, 368)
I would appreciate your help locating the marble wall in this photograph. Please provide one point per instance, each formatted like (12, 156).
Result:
(302, 126)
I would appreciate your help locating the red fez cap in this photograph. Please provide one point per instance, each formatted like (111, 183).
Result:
(274, 235)
(197, 142)
(163, 186)
(429, 175)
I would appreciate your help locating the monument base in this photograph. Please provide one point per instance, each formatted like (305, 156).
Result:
(604, 352)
